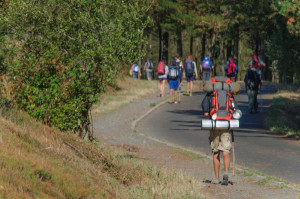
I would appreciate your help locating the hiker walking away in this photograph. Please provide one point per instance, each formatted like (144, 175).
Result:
(205, 68)
(220, 139)
(162, 73)
(252, 85)
(179, 62)
(231, 69)
(136, 72)
(190, 74)
(175, 78)
(257, 64)
(149, 69)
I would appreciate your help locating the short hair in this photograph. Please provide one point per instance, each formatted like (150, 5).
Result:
(173, 63)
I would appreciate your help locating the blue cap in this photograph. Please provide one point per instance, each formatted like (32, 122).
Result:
(206, 58)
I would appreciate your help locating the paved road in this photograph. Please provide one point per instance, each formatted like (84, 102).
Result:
(255, 147)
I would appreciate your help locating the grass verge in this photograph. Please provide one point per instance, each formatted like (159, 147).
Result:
(284, 116)
(126, 90)
(37, 161)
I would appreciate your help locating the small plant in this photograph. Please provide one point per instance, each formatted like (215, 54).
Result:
(152, 105)
(43, 175)
(263, 181)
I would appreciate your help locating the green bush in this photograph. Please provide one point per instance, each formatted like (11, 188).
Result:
(60, 55)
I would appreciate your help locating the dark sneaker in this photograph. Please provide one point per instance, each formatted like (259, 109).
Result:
(225, 180)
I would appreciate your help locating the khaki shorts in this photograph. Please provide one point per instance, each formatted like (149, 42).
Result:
(220, 141)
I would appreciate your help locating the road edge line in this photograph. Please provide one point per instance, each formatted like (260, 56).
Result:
(240, 168)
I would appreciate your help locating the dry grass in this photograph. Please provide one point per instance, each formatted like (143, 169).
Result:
(284, 116)
(127, 90)
(37, 161)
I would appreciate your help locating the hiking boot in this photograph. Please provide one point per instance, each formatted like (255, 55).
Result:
(215, 181)
(175, 102)
(225, 179)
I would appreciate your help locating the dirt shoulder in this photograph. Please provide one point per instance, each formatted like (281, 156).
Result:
(119, 128)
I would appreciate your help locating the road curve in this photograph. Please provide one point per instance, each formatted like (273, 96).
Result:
(255, 147)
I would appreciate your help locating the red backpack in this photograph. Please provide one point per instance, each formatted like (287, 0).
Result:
(221, 103)
(161, 68)
(231, 68)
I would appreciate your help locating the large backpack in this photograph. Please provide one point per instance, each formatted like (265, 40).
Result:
(231, 68)
(206, 65)
(222, 101)
(161, 68)
(252, 82)
(189, 69)
(173, 73)
(149, 64)
(135, 68)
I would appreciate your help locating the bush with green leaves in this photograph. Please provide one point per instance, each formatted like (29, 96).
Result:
(60, 55)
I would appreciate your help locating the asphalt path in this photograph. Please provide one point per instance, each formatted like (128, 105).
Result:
(255, 147)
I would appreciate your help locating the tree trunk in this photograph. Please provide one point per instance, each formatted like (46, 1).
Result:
(229, 48)
(191, 45)
(179, 42)
(159, 42)
(203, 46)
(165, 46)
(257, 45)
(236, 44)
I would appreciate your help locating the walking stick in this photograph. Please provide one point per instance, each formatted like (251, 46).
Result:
(233, 154)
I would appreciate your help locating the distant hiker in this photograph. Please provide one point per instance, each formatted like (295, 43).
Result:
(252, 85)
(219, 104)
(205, 68)
(190, 74)
(136, 72)
(162, 74)
(179, 62)
(175, 78)
(231, 69)
(149, 69)
(257, 64)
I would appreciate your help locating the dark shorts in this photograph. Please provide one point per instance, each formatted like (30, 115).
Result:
(173, 84)
(135, 75)
(231, 75)
(190, 79)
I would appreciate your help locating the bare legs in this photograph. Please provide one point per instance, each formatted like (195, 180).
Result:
(216, 161)
(175, 95)
(162, 87)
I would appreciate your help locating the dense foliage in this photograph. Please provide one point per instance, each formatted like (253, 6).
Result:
(60, 55)
(268, 28)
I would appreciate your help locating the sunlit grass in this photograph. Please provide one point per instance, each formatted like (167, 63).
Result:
(283, 117)
(37, 161)
(128, 90)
